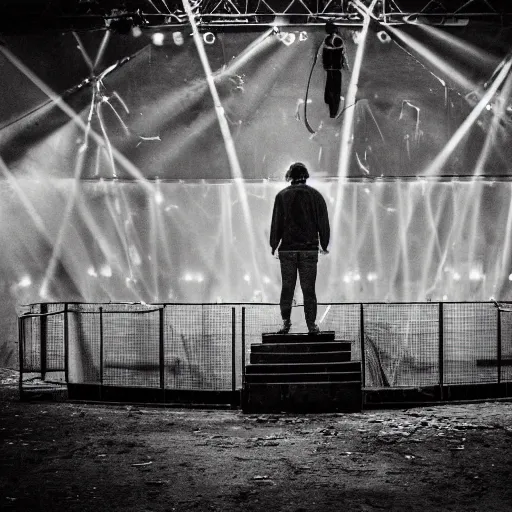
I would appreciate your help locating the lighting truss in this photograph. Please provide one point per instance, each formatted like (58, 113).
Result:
(341, 12)
(98, 14)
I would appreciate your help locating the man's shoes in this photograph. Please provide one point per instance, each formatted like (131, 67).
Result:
(314, 329)
(286, 327)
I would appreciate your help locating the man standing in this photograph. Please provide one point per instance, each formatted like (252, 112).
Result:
(299, 222)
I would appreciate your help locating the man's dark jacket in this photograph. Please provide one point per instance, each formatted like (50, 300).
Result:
(299, 220)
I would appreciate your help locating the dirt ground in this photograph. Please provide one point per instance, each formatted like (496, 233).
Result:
(79, 457)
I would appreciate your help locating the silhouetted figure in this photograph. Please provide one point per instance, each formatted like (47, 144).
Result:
(334, 60)
(299, 222)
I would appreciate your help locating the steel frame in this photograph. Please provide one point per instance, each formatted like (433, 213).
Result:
(93, 15)
(342, 12)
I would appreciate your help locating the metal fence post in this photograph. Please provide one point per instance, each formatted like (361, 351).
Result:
(243, 347)
(161, 347)
(66, 344)
(101, 349)
(498, 344)
(233, 357)
(361, 334)
(43, 323)
(21, 340)
(441, 349)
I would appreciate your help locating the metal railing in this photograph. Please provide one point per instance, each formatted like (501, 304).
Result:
(204, 347)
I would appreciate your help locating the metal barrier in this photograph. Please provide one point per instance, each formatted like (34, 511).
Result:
(196, 353)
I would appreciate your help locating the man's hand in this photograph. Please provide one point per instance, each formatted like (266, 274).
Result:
(322, 251)
(275, 254)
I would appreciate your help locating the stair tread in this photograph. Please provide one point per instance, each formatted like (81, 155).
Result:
(302, 353)
(304, 373)
(302, 364)
(305, 383)
(328, 344)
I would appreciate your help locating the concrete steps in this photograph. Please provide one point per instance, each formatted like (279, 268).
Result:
(301, 373)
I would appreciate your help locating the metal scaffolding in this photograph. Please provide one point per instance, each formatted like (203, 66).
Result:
(119, 14)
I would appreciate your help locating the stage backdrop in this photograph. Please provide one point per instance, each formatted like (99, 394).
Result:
(138, 197)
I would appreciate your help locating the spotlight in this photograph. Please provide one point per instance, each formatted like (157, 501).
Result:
(25, 282)
(209, 37)
(476, 275)
(177, 37)
(383, 37)
(159, 199)
(158, 39)
(106, 271)
(280, 20)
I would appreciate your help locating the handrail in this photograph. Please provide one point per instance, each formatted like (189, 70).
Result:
(38, 315)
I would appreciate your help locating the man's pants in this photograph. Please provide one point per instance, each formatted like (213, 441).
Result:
(332, 95)
(305, 262)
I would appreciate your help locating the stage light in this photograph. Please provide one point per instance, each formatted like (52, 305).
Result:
(383, 37)
(177, 37)
(372, 276)
(280, 21)
(356, 277)
(266, 280)
(25, 282)
(136, 32)
(92, 272)
(510, 277)
(247, 277)
(188, 277)
(159, 198)
(106, 271)
(445, 297)
(158, 38)
(199, 278)
(346, 278)
(456, 276)
(209, 37)
(475, 275)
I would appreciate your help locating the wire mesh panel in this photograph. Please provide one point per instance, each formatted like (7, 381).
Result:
(84, 343)
(198, 347)
(401, 345)
(506, 344)
(31, 344)
(344, 320)
(470, 343)
(259, 319)
(54, 337)
(131, 347)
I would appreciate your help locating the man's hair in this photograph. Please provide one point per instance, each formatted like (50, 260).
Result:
(297, 172)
